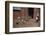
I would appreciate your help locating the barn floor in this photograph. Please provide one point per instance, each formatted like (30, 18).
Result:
(27, 23)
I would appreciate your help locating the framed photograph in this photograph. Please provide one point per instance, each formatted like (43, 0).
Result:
(24, 17)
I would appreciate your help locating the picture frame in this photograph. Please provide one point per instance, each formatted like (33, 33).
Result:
(11, 6)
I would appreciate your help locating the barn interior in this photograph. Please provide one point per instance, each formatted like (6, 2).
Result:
(26, 17)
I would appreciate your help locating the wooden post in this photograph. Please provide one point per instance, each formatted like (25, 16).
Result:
(35, 13)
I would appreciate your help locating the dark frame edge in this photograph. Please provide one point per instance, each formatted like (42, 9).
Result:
(25, 2)
(6, 17)
(44, 17)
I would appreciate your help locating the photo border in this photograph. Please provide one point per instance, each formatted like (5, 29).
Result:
(7, 16)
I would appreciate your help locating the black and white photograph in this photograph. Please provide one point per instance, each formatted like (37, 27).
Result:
(26, 17)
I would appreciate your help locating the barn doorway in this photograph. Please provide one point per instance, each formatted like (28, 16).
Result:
(30, 12)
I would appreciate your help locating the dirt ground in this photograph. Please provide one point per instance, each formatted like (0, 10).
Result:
(28, 23)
